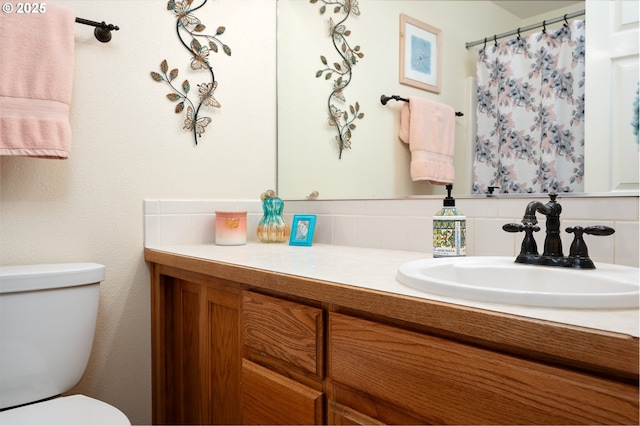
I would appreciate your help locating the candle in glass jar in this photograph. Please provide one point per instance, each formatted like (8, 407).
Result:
(231, 228)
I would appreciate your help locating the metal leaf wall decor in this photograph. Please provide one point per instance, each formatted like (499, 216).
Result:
(342, 120)
(200, 45)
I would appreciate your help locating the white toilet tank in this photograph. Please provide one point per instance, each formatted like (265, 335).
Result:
(47, 324)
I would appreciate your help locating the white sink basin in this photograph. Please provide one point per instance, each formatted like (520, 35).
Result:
(501, 280)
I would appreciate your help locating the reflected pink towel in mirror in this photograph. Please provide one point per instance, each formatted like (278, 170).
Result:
(429, 129)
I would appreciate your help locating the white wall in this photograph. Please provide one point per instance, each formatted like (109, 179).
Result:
(129, 145)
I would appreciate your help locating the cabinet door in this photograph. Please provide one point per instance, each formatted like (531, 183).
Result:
(196, 351)
(443, 381)
(269, 398)
(185, 379)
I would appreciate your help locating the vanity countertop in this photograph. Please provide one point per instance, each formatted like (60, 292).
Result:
(375, 270)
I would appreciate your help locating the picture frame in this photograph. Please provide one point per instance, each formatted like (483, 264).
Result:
(302, 229)
(420, 54)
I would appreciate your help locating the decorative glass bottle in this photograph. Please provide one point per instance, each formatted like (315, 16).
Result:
(272, 228)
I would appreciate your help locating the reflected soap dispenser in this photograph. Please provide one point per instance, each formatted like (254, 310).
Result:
(449, 229)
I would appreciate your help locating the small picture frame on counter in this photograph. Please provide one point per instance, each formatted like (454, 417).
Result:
(302, 229)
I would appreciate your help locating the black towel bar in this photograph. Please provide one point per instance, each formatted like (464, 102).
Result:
(102, 31)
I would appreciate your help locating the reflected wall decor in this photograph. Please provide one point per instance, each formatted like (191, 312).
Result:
(342, 119)
(190, 26)
(420, 54)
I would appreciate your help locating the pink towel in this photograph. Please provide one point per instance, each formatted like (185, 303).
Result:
(429, 129)
(36, 78)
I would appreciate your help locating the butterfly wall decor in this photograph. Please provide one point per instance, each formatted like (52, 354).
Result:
(189, 26)
(342, 120)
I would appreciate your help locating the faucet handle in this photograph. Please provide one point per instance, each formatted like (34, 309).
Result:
(599, 230)
(578, 253)
(528, 248)
(517, 227)
(591, 230)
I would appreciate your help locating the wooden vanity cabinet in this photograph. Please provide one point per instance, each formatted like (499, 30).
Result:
(233, 345)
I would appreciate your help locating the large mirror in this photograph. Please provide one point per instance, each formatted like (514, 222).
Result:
(377, 164)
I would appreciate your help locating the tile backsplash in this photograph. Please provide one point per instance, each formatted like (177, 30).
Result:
(406, 224)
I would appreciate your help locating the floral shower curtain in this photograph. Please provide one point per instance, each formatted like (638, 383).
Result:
(530, 135)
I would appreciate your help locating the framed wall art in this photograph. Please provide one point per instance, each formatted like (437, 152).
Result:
(420, 54)
(302, 229)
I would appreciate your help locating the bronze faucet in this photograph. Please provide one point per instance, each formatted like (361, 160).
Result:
(552, 254)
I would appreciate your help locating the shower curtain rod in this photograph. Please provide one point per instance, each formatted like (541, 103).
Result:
(527, 28)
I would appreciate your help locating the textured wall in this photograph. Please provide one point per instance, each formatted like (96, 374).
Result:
(129, 145)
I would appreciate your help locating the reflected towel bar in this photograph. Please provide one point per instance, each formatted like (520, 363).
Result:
(102, 31)
(384, 99)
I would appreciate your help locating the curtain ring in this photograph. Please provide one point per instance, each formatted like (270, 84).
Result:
(495, 40)
(544, 27)
(485, 43)
(566, 23)
(518, 33)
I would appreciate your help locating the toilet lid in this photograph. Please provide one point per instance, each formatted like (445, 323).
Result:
(68, 410)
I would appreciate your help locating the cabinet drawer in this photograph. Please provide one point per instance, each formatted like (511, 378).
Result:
(269, 398)
(442, 381)
(288, 331)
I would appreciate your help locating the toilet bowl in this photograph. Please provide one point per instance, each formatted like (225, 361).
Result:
(47, 323)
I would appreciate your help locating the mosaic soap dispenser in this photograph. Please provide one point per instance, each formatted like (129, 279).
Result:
(272, 228)
(449, 229)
